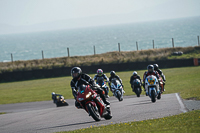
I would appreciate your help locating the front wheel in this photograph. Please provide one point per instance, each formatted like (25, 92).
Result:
(138, 92)
(119, 96)
(159, 95)
(93, 112)
(108, 116)
(153, 96)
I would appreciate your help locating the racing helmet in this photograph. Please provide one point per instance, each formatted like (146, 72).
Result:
(99, 72)
(134, 73)
(150, 68)
(112, 73)
(156, 67)
(76, 72)
(53, 93)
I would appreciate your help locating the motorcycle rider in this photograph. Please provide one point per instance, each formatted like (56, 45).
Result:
(98, 77)
(112, 76)
(54, 97)
(150, 71)
(80, 78)
(156, 68)
(133, 77)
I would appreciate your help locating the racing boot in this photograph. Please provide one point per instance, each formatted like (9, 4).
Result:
(104, 99)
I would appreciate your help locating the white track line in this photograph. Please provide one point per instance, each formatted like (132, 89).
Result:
(183, 109)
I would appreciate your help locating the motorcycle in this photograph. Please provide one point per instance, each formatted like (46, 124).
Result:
(92, 103)
(103, 85)
(161, 84)
(152, 87)
(136, 87)
(59, 100)
(117, 89)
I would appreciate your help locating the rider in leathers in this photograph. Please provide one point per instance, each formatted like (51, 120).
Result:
(156, 68)
(101, 76)
(78, 79)
(150, 71)
(112, 76)
(133, 77)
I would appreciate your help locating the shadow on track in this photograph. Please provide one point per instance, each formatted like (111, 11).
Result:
(68, 125)
(140, 103)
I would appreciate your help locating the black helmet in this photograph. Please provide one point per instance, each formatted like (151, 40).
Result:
(155, 66)
(76, 72)
(150, 68)
(112, 73)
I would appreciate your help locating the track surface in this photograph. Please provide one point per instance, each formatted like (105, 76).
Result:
(45, 117)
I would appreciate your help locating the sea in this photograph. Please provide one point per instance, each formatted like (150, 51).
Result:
(102, 39)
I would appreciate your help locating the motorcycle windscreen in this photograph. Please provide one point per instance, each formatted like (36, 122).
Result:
(81, 88)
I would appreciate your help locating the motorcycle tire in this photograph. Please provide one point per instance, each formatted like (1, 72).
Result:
(93, 112)
(108, 116)
(153, 96)
(119, 97)
(159, 96)
(137, 92)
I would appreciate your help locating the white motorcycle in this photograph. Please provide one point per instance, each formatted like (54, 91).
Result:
(152, 87)
(117, 89)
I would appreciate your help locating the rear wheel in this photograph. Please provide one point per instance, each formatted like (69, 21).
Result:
(153, 96)
(93, 112)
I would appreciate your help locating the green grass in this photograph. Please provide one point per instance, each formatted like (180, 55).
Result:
(2, 113)
(182, 123)
(183, 80)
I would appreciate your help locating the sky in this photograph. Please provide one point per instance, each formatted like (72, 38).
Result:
(36, 13)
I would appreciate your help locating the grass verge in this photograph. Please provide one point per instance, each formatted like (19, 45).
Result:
(105, 58)
(2, 113)
(183, 123)
(183, 80)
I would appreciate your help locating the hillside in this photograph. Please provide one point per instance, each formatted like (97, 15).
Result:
(106, 58)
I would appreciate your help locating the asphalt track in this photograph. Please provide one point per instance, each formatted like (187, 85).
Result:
(45, 117)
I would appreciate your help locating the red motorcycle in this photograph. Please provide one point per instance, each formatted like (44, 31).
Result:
(92, 103)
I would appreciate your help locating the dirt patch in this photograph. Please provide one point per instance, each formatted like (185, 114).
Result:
(192, 98)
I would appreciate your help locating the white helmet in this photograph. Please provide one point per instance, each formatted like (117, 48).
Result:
(134, 73)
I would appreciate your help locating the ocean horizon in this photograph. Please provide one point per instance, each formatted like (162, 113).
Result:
(29, 46)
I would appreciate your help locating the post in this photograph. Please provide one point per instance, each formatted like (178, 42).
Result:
(173, 42)
(11, 57)
(94, 50)
(68, 51)
(137, 45)
(198, 41)
(119, 46)
(42, 55)
(153, 44)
